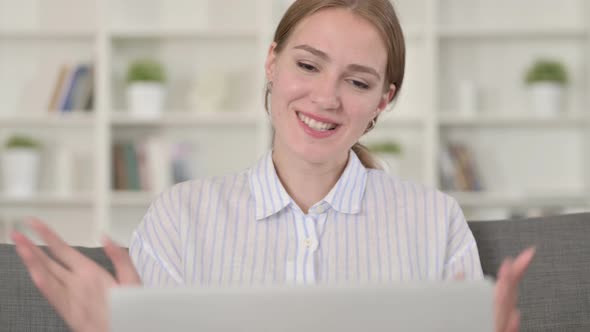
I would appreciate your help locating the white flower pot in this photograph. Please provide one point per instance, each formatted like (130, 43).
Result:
(20, 172)
(546, 99)
(146, 99)
(390, 163)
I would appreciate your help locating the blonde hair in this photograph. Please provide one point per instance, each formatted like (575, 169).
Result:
(382, 14)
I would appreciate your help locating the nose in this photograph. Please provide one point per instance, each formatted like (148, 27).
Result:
(325, 93)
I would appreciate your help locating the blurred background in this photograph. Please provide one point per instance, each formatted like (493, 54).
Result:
(105, 103)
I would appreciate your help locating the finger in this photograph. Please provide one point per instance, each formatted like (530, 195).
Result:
(522, 262)
(511, 295)
(60, 272)
(514, 323)
(45, 281)
(62, 251)
(126, 273)
(501, 296)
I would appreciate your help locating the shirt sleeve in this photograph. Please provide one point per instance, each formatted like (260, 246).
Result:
(155, 245)
(462, 256)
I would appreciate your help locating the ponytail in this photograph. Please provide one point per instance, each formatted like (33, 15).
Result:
(365, 156)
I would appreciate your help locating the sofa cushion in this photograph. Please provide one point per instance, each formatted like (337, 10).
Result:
(22, 307)
(555, 293)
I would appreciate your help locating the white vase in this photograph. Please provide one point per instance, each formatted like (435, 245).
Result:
(390, 163)
(20, 172)
(146, 99)
(546, 99)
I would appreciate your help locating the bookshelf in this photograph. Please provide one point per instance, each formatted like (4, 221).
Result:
(525, 161)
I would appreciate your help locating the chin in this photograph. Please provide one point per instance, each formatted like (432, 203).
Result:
(317, 154)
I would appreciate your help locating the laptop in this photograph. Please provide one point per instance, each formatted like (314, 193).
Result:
(457, 306)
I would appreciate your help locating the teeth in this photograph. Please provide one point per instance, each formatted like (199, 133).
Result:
(321, 126)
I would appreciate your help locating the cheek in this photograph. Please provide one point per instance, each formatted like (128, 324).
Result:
(362, 108)
(287, 88)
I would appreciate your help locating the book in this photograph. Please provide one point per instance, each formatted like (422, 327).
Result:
(73, 84)
(82, 89)
(58, 88)
(131, 168)
(458, 168)
(119, 168)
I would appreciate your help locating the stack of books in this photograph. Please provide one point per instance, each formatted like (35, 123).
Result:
(73, 89)
(153, 165)
(458, 169)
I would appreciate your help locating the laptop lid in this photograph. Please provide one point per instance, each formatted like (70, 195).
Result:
(428, 306)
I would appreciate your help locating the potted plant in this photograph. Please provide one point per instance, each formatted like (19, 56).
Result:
(20, 166)
(546, 80)
(145, 88)
(389, 154)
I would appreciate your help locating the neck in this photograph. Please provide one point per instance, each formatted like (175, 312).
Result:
(307, 183)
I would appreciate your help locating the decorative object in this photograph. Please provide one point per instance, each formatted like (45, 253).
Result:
(208, 91)
(145, 91)
(546, 80)
(64, 171)
(388, 153)
(20, 166)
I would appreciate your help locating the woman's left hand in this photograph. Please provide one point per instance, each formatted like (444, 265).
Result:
(507, 315)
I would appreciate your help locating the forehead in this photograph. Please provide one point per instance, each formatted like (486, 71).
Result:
(345, 36)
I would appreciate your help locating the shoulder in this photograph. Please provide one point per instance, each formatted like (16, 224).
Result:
(409, 192)
(185, 193)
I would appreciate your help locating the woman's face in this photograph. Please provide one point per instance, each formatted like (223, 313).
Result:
(328, 84)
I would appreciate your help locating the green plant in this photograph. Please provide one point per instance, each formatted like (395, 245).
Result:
(21, 142)
(146, 70)
(385, 147)
(545, 70)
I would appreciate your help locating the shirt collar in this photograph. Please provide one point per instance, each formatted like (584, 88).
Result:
(271, 197)
(346, 196)
(269, 194)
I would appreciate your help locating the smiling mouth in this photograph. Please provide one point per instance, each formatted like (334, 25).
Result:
(316, 125)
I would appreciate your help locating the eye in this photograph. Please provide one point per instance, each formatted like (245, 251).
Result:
(306, 67)
(360, 85)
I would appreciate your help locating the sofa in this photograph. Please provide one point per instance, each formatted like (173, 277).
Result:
(554, 296)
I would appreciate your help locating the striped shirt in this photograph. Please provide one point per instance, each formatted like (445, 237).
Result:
(244, 229)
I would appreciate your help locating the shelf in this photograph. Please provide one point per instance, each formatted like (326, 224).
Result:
(49, 199)
(48, 120)
(445, 43)
(454, 120)
(19, 34)
(511, 32)
(181, 119)
(171, 33)
(510, 200)
(139, 199)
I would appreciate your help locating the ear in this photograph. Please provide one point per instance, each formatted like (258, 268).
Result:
(270, 64)
(386, 98)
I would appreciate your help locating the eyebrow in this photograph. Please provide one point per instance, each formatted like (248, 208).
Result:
(325, 57)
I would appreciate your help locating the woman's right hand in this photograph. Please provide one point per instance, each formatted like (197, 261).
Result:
(73, 284)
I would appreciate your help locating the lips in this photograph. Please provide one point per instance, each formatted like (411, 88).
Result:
(317, 123)
(317, 127)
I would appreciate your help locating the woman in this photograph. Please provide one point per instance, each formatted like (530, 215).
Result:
(314, 210)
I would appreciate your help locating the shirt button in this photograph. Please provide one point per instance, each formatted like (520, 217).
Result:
(307, 243)
(320, 209)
